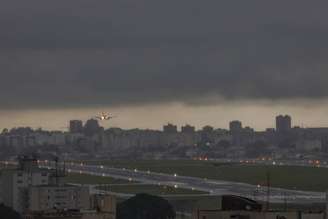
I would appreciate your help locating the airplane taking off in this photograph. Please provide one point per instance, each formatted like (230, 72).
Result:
(104, 116)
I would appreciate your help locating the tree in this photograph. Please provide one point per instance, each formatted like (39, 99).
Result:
(144, 206)
(5, 131)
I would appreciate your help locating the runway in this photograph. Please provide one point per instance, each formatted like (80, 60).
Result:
(213, 187)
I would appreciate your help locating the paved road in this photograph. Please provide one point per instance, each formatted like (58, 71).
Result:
(214, 187)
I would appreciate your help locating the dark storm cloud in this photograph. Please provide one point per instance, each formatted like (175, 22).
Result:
(80, 53)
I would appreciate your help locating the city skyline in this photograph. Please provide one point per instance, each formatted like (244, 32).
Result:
(174, 115)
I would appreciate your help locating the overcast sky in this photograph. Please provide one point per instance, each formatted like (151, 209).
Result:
(198, 56)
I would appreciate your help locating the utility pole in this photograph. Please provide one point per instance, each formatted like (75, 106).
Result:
(268, 179)
(64, 170)
(56, 166)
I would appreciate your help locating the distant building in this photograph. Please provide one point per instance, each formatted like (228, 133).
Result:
(283, 123)
(30, 141)
(207, 129)
(76, 126)
(188, 129)
(309, 145)
(270, 130)
(248, 130)
(91, 127)
(169, 128)
(16, 141)
(235, 127)
(57, 138)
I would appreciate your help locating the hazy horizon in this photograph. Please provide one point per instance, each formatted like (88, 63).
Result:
(258, 115)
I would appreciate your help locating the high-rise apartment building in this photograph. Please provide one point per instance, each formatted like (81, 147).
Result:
(283, 123)
(235, 127)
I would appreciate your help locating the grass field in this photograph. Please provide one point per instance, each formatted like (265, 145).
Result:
(149, 189)
(89, 179)
(291, 177)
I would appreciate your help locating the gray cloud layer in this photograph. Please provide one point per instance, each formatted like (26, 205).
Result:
(82, 53)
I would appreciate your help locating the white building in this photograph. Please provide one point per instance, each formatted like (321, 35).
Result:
(15, 183)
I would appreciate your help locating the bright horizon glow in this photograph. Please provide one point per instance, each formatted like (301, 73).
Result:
(258, 115)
